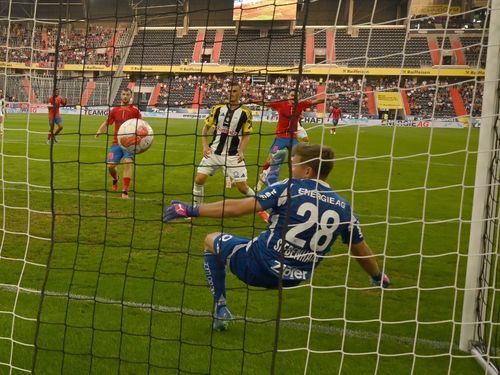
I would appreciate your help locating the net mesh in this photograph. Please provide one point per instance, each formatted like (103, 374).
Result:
(93, 283)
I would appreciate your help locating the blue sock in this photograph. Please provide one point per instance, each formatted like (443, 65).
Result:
(273, 175)
(275, 166)
(215, 271)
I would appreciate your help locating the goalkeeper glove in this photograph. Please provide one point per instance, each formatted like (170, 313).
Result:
(179, 209)
(381, 279)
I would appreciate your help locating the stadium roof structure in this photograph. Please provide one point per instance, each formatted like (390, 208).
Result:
(81, 9)
(323, 12)
(156, 3)
(71, 9)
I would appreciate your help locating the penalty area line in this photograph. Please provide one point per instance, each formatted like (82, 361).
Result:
(318, 328)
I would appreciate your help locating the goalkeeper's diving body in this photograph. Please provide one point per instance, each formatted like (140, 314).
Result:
(305, 213)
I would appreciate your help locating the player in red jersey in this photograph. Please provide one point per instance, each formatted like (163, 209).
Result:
(336, 115)
(289, 114)
(118, 115)
(54, 104)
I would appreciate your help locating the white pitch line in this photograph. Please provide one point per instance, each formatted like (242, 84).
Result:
(327, 330)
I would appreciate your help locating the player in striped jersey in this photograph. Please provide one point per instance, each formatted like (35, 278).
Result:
(232, 126)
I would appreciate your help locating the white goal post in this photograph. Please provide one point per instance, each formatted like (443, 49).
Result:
(482, 266)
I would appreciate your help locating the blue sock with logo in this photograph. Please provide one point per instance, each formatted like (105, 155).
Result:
(215, 272)
(277, 161)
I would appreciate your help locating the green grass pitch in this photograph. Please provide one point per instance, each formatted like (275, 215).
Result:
(126, 294)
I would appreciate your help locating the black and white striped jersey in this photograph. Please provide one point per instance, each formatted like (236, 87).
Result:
(229, 126)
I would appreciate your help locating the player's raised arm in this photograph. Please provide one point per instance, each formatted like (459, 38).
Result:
(318, 100)
(258, 102)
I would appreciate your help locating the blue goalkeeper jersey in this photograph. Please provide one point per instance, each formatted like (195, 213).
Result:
(309, 227)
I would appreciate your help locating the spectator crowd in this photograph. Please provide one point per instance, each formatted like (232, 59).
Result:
(426, 97)
(23, 43)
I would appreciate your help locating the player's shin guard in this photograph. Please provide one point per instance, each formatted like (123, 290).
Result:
(274, 169)
(215, 272)
(250, 192)
(198, 193)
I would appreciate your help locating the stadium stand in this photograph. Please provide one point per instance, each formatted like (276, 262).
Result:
(475, 56)
(248, 48)
(417, 52)
(80, 45)
(320, 38)
(177, 91)
(473, 97)
(428, 98)
(350, 93)
(161, 46)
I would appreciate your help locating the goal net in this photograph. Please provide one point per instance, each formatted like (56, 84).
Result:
(91, 282)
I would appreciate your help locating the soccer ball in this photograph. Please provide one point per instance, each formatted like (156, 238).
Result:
(135, 136)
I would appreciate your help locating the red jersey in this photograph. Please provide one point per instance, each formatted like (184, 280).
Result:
(336, 113)
(285, 111)
(119, 115)
(54, 110)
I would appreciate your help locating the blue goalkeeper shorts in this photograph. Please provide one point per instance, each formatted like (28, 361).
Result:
(243, 263)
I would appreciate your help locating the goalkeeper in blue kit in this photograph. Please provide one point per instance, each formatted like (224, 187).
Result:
(306, 218)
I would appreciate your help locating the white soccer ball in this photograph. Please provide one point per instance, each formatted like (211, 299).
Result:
(135, 136)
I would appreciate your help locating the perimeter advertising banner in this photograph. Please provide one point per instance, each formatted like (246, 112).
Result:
(310, 120)
(226, 69)
(388, 100)
(433, 9)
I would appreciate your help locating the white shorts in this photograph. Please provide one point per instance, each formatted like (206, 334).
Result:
(234, 169)
(301, 132)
